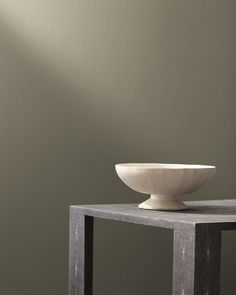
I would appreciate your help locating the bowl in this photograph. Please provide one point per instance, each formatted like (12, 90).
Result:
(165, 183)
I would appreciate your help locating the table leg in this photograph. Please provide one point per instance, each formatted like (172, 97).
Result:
(196, 261)
(80, 254)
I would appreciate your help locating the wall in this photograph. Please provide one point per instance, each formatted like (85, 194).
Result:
(85, 85)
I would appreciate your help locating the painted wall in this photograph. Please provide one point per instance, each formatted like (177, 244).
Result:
(85, 85)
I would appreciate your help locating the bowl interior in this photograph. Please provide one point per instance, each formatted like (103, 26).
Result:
(164, 166)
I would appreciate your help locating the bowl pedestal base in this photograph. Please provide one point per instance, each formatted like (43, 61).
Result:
(168, 203)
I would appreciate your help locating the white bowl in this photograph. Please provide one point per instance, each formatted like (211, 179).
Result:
(164, 182)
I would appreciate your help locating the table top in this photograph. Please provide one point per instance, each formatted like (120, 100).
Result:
(217, 212)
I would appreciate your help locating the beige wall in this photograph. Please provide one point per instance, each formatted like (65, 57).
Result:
(85, 85)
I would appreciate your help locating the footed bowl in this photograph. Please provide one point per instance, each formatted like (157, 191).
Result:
(165, 183)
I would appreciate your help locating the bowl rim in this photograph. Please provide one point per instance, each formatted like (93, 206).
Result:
(169, 166)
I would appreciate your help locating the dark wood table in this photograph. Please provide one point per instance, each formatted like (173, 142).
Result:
(196, 249)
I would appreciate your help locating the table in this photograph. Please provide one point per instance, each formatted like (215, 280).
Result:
(196, 244)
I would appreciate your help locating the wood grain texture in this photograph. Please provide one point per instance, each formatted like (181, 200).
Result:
(80, 254)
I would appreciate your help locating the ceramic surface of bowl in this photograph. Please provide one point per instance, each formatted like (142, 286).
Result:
(164, 182)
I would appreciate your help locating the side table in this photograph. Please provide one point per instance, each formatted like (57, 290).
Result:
(196, 249)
